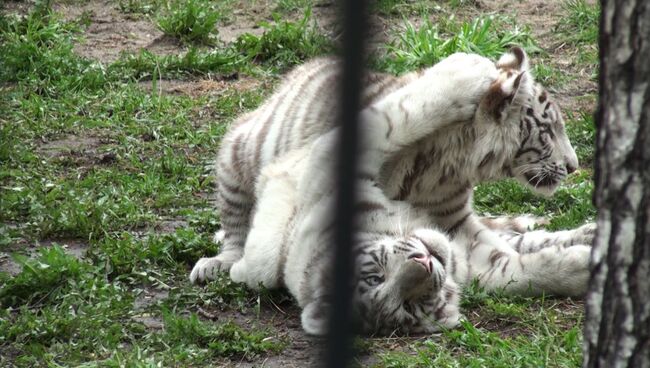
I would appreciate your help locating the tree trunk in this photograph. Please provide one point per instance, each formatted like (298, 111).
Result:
(617, 325)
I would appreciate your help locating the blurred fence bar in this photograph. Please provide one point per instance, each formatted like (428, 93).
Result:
(339, 340)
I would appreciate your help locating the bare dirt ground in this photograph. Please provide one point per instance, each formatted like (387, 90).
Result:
(111, 32)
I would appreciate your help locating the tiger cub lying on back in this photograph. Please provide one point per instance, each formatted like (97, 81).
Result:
(406, 269)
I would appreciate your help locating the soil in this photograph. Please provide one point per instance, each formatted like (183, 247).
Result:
(202, 87)
(111, 32)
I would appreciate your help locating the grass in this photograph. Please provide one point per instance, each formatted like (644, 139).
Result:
(580, 22)
(401, 8)
(417, 47)
(139, 6)
(579, 28)
(548, 75)
(290, 6)
(189, 20)
(285, 43)
(100, 156)
(520, 332)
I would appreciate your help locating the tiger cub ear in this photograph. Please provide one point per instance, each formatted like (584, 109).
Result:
(511, 88)
(515, 59)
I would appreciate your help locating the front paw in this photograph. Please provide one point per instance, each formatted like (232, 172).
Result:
(470, 75)
(207, 269)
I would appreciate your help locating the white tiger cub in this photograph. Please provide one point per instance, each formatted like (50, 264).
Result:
(401, 280)
(405, 270)
(519, 133)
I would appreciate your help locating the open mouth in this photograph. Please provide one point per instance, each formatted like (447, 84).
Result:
(538, 180)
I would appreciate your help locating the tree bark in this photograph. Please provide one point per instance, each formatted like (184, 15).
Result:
(617, 325)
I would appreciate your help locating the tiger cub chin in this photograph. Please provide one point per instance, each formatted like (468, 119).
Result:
(406, 271)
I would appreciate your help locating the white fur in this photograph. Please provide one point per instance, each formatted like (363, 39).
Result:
(287, 243)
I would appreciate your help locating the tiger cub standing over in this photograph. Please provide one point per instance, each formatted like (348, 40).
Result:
(518, 132)
(405, 269)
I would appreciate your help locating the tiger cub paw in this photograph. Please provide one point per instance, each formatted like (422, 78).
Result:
(585, 234)
(518, 224)
(207, 268)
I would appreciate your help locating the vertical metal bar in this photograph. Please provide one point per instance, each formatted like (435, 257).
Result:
(339, 341)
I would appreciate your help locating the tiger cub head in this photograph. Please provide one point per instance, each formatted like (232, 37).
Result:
(402, 285)
(543, 156)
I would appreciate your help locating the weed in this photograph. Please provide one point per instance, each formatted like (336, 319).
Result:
(37, 50)
(41, 277)
(145, 65)
(428, 44)
(290, 6)
(225, 339)
(189, 20)
(285, 43)
(582, 133)
(547, 75)
(579, 27)
(580, 22)
(138, 6)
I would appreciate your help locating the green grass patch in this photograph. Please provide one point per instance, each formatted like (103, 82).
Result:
(89, 154)
(548, 75)
(189, 20)
(42, 278)
(66, 313)
(127, 255)
(569, 207)
(474, 347)
(418, 47)
(285, 43)
(138, 6)
(520, 332)
(292, 6)
(195, 337)
(146, 65)
(455, 4)
(403, 8)
(37, 49)
(579, 25)
(582, 133)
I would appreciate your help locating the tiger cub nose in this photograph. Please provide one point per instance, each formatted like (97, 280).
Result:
(424, 260)
(570, 168)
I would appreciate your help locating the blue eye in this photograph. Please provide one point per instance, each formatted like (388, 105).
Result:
(373, 280)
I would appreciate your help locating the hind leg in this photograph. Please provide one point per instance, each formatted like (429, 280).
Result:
(554, 269)
(518, 224)
(534, 241)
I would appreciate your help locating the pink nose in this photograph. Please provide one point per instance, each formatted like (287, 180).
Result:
(424, 260)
